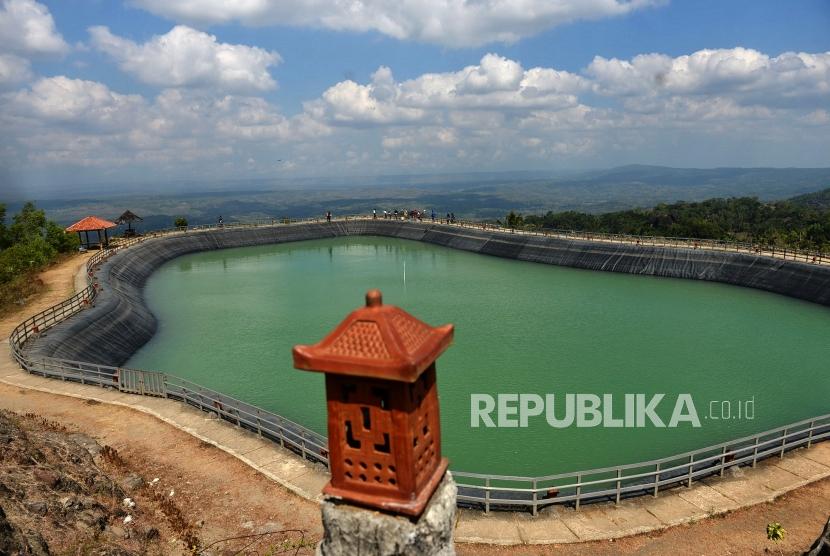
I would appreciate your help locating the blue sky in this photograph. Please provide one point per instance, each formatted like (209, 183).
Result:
(171, 89)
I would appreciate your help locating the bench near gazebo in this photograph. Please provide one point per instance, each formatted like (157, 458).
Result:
(92, 224)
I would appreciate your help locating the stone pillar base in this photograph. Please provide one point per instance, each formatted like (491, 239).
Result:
(351, 530)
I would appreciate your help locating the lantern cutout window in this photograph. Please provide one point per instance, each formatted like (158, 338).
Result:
(382, 402)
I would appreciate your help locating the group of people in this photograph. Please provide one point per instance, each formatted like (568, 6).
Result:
(413, 214)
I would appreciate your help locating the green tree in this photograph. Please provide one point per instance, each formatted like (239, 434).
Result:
(514, 220)
(780, 224)
(180, 222)
(28, 224)
(61, 241)
(31, 242)
(24, 257)
(4, 232)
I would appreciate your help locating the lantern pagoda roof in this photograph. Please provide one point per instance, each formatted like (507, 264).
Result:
(90, 224)
(376, 341)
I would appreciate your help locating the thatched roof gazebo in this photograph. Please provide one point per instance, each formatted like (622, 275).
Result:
(128, 218)
(92, 224)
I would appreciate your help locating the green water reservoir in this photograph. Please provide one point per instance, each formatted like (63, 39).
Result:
(748, 360)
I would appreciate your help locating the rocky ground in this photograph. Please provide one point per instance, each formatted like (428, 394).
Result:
(62, 492)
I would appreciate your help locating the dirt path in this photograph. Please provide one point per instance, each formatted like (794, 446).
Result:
(58, 283)
(223, 497)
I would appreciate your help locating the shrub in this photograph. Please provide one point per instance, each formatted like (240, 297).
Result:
(775, 532)
(24, 257)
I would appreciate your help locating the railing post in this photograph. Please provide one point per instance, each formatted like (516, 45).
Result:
(619, 483)
(691, 470)
(578, 489)
(722, 461)
(810, 434)
(487, 495)
(755, 451)
(657, 479)
(783, 443)
(535, 499)
(201, 406)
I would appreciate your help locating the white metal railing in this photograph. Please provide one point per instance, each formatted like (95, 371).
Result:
(647, 477)
(800, 255)
(485, 491)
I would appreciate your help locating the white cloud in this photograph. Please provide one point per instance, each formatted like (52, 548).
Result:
(495, 83)
(456, 23)
(27, 27)
(816, 118)
(493, 114)
(498, 107)
(85, 104)
(437, 137)
(185, 57)
(60, 120)
(348, 103)
(13, 69)
(744, 73)
(494, 73)
(253, 119)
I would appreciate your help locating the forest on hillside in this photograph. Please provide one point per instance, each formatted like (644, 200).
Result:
(801, 222)
(27, 246)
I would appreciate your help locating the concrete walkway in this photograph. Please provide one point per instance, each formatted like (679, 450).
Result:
(740, 488)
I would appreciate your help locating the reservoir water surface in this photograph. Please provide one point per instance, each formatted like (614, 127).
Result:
(228, 320)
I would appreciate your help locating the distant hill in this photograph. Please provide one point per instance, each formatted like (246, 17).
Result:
(727, 176)
(820, 200)
(666, 184)
(481, 195)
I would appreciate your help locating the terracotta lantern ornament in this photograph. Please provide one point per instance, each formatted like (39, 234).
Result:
(382, 398)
